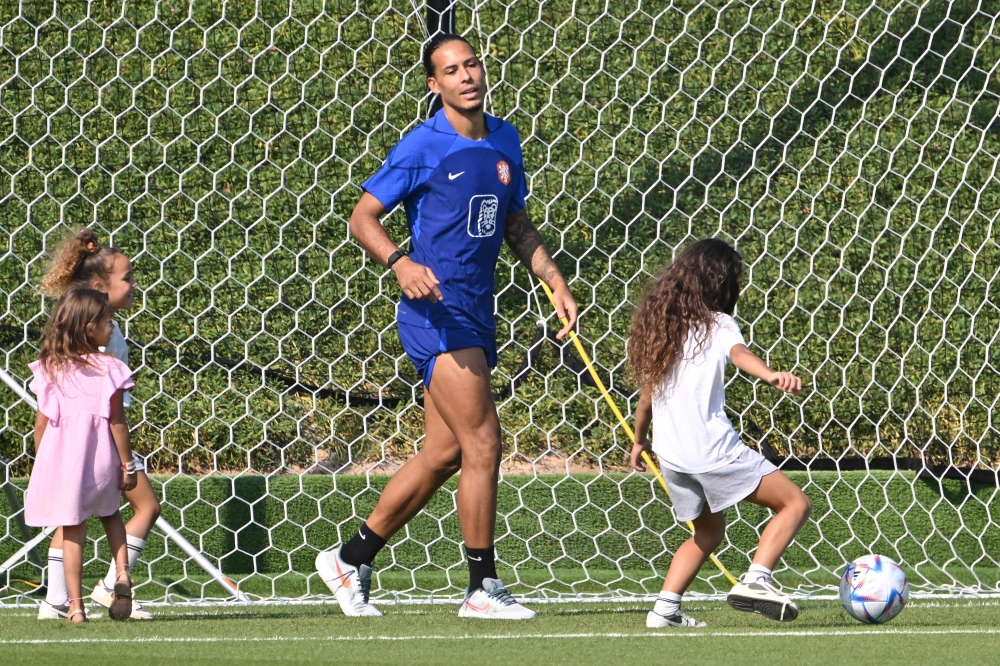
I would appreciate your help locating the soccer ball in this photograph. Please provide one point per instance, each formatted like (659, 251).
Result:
(874, 589)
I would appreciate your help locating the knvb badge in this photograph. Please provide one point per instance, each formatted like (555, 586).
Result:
(483, 215)
(503, 172)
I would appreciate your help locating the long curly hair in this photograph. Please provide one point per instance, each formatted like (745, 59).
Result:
(705, 279)
(66, 341)
(79, 261)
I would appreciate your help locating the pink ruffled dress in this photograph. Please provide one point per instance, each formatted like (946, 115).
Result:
(77, 469)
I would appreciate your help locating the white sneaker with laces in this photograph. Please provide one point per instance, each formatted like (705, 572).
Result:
(493, 602)
(762, 598)
(681, 619)
(47, 611)
(104, 596)
(349, 584)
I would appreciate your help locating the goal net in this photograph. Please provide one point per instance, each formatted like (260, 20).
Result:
(849, 150)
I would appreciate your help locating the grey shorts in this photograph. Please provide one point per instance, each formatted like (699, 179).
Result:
(721, 488)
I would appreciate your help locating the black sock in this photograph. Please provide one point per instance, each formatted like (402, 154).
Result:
(363, 548)
(482, 564)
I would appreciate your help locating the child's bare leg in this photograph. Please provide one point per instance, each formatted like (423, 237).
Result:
(146, 506)
(121, 604)
(146, 509)
(115, 529)
(756, 593)
(74, 537)
(709, 530)
(792, 508)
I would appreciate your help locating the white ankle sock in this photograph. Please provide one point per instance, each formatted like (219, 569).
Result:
(135, 546)
(757, 572)
(668, 604)
(57, 595)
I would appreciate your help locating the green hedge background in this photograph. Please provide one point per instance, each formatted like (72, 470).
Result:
(580, 533)
(848, 148)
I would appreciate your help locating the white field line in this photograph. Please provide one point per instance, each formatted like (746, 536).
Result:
(938, 600)
(495, 637)
(237, 610)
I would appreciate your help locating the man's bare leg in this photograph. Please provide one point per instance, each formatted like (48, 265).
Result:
(347, 570)
(463, 430)
(410, 488)
(461, 390)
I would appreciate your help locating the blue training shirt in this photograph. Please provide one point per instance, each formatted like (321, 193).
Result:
(457, 193)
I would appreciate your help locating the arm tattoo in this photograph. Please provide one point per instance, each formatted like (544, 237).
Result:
(526, 242)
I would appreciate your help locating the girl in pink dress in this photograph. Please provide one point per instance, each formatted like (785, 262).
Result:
(83, 458)
(81, 260)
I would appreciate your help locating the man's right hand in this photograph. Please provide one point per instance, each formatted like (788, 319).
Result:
(416, 280)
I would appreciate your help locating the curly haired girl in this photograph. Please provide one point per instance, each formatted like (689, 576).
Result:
(683, 336)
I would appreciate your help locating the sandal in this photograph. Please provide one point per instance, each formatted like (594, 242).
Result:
(81, 612)
(121, 605)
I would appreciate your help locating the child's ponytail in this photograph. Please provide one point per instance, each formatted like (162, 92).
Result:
(80, 260)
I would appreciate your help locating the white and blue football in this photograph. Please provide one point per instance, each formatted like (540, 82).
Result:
(874, 589)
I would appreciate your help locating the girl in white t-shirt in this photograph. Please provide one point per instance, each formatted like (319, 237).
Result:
(81, 261)
(683, 336)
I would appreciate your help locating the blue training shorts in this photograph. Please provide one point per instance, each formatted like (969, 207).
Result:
(423, 345)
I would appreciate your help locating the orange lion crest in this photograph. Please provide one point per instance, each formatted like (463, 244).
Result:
(503, 172)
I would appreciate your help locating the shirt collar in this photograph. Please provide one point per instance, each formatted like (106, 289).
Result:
(441, 123)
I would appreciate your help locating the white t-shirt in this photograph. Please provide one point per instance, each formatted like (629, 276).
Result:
(691, 432)
(119, 348)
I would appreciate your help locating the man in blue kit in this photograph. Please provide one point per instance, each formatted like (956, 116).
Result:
(460, 177)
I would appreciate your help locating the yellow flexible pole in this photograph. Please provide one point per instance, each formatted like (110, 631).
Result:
(621, 419)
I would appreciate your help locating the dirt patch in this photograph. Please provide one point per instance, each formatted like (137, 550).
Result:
(549, 463)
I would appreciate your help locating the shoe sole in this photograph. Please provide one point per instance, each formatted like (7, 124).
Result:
(479, 616)
(772, 610)
(121, 606)
(652, 623)
(101, 598)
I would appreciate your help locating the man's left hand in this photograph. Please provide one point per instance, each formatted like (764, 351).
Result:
(566, 308)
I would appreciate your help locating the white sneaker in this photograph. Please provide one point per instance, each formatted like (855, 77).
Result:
(103, 596)
(349, 584)
(493, 602)
(656, 621)
(763, 598)
(47, 611)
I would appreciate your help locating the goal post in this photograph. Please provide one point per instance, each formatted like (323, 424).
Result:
(848, 149)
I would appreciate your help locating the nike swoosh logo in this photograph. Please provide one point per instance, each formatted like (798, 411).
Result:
(453, 176)
(342, 576)
(477, 559)
(362, 535)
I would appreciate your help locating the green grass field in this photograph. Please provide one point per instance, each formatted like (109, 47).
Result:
(927, 632)
(583, 533)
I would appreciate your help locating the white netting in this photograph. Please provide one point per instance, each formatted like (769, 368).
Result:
(848, 148)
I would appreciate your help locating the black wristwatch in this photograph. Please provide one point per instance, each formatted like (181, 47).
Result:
(394, 257)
